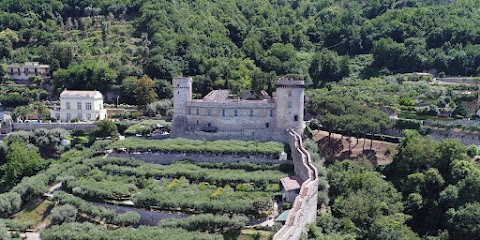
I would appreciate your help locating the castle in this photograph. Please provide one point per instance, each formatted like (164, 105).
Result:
(218, 116)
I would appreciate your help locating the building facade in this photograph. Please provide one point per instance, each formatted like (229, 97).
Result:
(25, 71)
(218, 116)
(81, 105)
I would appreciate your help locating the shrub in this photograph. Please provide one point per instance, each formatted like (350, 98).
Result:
(64, 213)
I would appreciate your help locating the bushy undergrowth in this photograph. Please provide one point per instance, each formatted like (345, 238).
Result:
(97, 212)
(81, 231)
(207, 223)
(200, 146)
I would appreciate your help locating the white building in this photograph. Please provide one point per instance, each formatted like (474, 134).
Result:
(82, 105)
(25, 71)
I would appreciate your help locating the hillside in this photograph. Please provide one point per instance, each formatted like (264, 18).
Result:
(244, 42)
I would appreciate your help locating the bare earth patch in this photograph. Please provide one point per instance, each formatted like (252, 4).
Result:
(381, 153)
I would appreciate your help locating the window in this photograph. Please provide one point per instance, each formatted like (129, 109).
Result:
(235, 112)
(69, 116)
(251, 112)
(295, 118)
(189, 111)
(209, 112)
(289, 93)
(57, 116)
(224, 112)
(79, 116)
(88, 106)
(100, 106)
(267, 125)
(271, 112)
(198, 111)
(79, 105)
(89, 116)
(289, 104)
(67, 105)
(198, 122)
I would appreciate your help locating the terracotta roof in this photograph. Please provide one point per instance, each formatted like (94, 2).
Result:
(78, 93)
(291, 183)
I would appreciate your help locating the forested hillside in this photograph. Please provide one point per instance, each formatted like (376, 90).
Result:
(239, 44)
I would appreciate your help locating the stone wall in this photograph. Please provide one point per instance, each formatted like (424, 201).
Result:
(304, 208)
(467, 138)
(169, 158)
(261, 135)
(67, 126)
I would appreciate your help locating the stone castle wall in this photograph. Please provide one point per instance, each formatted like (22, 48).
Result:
(304, 208)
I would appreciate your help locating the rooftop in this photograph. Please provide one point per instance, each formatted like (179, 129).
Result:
(78, 93)
(29, 64)
(291, 183)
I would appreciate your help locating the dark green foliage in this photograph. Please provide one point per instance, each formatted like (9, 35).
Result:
(464, 222)
(91, 75)
(460, 110)
(104, 129)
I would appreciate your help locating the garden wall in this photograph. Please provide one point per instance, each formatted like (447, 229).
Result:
(304, 208)
(169, 158)
(67, 126)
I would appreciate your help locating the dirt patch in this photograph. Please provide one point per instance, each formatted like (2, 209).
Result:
(338, 148)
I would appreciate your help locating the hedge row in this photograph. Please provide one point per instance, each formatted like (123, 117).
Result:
(200, 146)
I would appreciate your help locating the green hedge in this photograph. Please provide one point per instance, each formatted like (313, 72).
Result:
(200, 146)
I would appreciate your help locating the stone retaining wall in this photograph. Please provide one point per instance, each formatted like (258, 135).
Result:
(169, 158)
(67, 126)
(304, 208)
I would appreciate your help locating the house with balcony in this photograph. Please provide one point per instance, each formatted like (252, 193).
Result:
(25, 71)
(81, 105)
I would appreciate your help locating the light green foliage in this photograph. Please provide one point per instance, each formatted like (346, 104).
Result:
(64, 213)
(146, 126)
(78, 231)
(21, 162)
(207, 223)
(189, 145)
(192, 187)
(362, 196)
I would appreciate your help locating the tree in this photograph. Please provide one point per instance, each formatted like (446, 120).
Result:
(89, 75)
(327, 66)
(105, 128)
(460, 110)
(145, 90)
(63, 213)
(464, 222)
(388, 228)
(127, 94)
(21, 161)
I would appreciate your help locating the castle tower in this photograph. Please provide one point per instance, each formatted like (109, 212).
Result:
(290, 104)
(182, 92)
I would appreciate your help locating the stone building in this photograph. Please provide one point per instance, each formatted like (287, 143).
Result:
(25, 71)
(82, 105)
(220, 116)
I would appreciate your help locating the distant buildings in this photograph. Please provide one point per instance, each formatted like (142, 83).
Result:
(25, 71)
(82, 105)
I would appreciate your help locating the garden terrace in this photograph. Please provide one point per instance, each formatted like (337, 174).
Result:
(182, 186)
(200, 146)
(78, 231)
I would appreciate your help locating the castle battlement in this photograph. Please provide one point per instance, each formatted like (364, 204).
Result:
(220, 116)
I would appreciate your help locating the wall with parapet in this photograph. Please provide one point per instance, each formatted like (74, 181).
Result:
(67, 126)
(304, 208)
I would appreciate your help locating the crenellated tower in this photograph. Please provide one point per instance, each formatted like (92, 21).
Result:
(290, 95)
